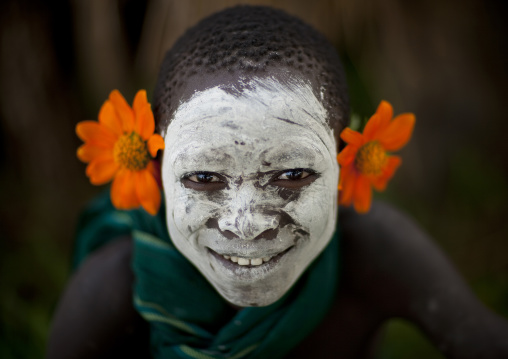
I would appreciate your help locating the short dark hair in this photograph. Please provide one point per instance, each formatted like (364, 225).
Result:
(250, 40)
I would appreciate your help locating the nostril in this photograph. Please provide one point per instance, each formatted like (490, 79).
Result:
(268, 234)
(214, 223)
(228, 234)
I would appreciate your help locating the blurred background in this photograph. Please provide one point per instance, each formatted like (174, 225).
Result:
(446, 61)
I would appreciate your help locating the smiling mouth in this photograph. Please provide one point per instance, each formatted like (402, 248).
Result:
(248, 262)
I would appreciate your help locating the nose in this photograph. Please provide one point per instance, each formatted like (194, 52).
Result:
(249, 225)
(245, 221)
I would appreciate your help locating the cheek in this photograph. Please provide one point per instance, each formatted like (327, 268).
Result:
(185, 209)
(192, 209)
(314, 207)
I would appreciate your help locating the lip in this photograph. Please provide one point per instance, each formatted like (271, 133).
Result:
(242, 269)
(244, 248)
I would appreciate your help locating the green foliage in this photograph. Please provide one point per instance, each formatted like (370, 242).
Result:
(404, 340)
(33, 274)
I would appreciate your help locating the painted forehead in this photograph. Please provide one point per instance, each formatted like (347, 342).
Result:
(255, 101)
(250, 41)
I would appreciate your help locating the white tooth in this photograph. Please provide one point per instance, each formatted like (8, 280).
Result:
(266, 259)
(227, 257)
(256, 261)
(234, 259)
(243, 261)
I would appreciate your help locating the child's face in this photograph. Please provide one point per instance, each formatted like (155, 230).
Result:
(251, 175)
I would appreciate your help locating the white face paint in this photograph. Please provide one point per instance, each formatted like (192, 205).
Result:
(240, 205)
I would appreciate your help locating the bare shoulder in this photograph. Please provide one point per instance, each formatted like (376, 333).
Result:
(95, 316)
(385, 251)
(371, 258)
(395, 266)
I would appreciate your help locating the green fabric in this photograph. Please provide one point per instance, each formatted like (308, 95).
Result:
(188, 318)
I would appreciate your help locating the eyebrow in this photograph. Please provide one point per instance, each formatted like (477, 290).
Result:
(292, 155)
(202, 159)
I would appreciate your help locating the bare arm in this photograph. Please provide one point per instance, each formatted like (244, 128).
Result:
(395, 266)
(95, 317)
(391, 269)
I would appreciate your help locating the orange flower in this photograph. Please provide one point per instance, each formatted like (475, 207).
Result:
(365, 162)
(121, 147)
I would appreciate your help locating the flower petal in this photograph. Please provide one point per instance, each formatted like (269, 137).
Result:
(89, 151)
(352, 137)
(109, 118)
(385, 110)
(123, 110)
(347, 155)
(101, 170)
(362, 194)
(147, 191)
(123, 190)
(374, 127)
(140, 101)
(94, 131)
(381, 181)
(155, 143)
(347, 180)
(398, 133)
(145, 124)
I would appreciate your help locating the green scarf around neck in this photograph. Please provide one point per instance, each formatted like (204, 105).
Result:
(188, 318)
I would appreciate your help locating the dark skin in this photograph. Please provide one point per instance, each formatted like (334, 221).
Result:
(391, 268)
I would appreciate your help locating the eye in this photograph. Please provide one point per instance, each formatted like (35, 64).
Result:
(294, 175)
(294, 178)
(203, 177)
(204, 181)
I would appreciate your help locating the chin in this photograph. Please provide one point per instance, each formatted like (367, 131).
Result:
(254, 286)
(256, 294)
